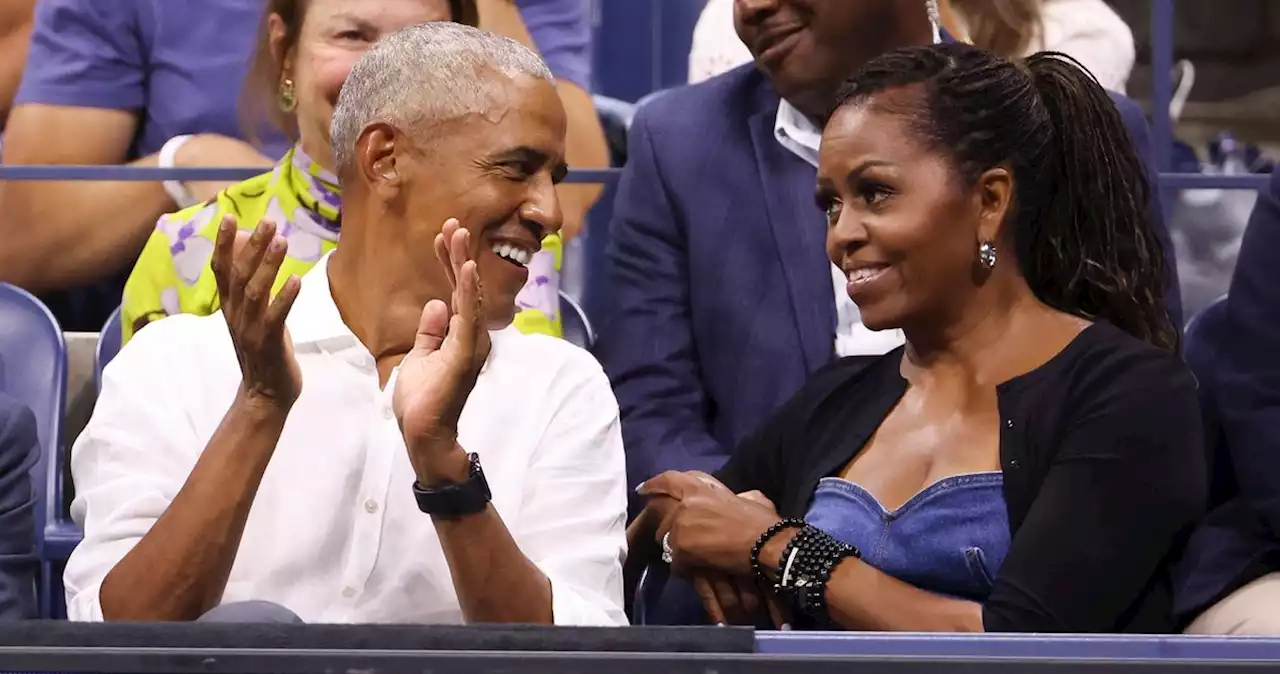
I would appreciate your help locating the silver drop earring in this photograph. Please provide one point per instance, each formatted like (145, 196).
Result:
(987, 255)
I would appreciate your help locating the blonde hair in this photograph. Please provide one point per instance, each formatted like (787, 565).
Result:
(1008, 28)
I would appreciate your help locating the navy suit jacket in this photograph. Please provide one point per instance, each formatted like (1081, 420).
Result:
(1239, 541)
(19, 451)
(719, 279)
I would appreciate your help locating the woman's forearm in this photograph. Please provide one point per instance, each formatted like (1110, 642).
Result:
(861, 597)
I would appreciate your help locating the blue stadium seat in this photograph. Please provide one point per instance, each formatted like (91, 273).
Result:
(615, 117)
(108, 345)
(574, 322)
(33, 369)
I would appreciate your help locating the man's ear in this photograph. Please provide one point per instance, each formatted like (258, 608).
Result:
(376, 155)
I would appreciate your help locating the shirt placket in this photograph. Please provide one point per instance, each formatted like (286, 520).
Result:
(382, 440)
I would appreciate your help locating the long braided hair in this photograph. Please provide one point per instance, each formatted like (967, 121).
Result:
(1081, 231)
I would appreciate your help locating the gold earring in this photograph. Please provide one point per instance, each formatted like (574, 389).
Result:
(288, 97)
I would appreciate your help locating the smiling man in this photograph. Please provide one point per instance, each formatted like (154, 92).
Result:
(376, 444)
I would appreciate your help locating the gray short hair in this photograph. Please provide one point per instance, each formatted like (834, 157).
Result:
(431, 72)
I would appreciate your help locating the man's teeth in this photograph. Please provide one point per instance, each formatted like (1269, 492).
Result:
(512, 254)
(864, 274)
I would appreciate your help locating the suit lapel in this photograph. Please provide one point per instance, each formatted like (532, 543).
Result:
(800, 235)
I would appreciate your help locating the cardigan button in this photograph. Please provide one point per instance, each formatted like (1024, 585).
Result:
(1015, 464)
(1008, 423)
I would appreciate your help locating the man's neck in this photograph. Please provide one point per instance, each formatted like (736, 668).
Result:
(382, 310)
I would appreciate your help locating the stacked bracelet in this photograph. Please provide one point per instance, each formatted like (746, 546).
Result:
(806, 566)
(789, 523)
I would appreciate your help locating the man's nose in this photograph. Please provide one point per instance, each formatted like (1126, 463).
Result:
(751, 12)
(542, 209)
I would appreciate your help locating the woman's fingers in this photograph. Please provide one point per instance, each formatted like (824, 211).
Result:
(709, 600)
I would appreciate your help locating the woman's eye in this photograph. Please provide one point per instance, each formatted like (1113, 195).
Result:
(873, 195)
(832, 209)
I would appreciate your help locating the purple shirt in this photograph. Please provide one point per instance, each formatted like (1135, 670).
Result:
(180, 63)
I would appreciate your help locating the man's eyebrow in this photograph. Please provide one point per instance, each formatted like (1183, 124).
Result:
(522, 154)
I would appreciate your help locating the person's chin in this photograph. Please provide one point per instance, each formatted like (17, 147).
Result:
(876, 317)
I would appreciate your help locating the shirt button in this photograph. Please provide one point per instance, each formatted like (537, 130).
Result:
(1009, 423)
(349, 592)
(388, 413)
(370, 506)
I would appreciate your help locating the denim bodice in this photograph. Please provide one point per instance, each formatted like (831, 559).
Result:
(949, 538)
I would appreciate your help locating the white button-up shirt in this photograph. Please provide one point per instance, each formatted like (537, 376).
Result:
(335, 533)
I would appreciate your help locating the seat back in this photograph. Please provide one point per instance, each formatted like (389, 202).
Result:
(108, 345)
(33, 369)
(574, 322)
(615, 116)
(1203, 340)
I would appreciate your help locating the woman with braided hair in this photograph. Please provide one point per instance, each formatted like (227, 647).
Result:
(1031, 459)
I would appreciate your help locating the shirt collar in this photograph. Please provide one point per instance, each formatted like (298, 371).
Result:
(314, 316)
(797, 133)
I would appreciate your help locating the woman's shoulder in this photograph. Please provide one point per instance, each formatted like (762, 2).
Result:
(1106, 370)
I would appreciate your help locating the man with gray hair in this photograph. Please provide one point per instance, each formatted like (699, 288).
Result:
(438, 466)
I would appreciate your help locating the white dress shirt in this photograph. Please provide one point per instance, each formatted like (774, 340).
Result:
(335, 533)
(796, 133)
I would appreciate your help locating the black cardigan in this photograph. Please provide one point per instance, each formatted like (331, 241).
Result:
(1104, 469)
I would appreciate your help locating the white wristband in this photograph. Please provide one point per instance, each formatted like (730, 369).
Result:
(175, 189)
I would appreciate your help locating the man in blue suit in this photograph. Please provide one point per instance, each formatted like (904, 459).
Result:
(19, 451)
(723, 297)
(1230, 574)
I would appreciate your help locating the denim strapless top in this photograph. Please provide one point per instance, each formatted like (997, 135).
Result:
(950, 538)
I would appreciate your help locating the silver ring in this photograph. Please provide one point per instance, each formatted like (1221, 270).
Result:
(668, 555)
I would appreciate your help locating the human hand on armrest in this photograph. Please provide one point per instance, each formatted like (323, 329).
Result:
(701, 527)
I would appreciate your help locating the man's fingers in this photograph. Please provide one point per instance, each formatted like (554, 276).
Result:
(248, 261)
(459, 249)
(278, 310)
(433, 326)
(257, 292)
(442, 254)
(224, 255)
(709, 601)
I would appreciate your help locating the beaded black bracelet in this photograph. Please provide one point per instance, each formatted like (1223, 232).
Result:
(807, 567)
(788, 523)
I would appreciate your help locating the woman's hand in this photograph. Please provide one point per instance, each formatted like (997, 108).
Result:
(716, 529)
(245, 268)
(437, 376)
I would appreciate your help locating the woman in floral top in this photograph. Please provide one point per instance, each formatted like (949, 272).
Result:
(317, 45)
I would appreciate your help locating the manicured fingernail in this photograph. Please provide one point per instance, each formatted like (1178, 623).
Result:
(721, 625)
(640, 488)
(277, 245)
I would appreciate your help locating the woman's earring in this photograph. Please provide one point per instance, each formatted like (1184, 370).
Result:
(288, 97)
(987, 255)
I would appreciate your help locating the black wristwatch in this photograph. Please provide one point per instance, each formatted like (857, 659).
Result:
(456, 500)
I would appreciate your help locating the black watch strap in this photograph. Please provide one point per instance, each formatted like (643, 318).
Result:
(456, 500)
